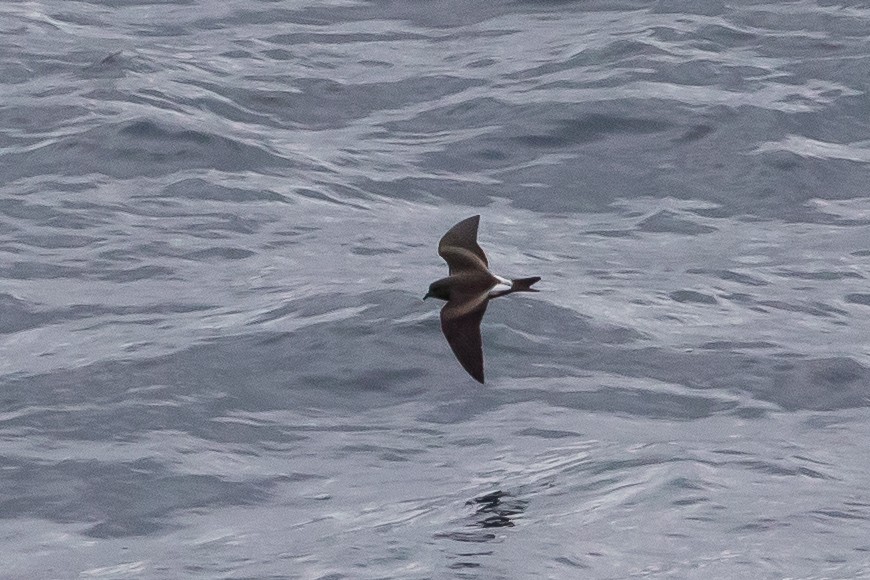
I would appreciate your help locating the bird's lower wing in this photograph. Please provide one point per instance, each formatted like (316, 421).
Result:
(460, 323)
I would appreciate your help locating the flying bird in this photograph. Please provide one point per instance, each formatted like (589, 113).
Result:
(468, 290)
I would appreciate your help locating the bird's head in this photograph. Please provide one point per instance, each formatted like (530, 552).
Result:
(439, 289)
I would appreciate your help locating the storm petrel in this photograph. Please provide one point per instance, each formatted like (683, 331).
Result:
(467, 290)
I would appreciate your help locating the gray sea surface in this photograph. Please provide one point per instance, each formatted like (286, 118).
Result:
(218, 218)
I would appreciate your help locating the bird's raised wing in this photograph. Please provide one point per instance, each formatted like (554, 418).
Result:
(459, 247)
(460, 323)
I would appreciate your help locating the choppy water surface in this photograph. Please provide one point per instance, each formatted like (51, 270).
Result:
(218, 218)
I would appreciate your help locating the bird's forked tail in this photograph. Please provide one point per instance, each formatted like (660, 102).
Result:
(524, 284)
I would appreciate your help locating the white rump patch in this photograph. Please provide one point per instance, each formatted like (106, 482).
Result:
(503, 285)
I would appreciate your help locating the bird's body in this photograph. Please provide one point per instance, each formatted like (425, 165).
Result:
(468, 290)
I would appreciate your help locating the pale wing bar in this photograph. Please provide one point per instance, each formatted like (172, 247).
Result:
(462, 259)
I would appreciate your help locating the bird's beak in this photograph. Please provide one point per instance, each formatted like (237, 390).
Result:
(427, 295)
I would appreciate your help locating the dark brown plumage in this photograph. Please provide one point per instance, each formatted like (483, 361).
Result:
(468, 290)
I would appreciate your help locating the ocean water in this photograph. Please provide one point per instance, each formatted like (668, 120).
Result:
(217, 221)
